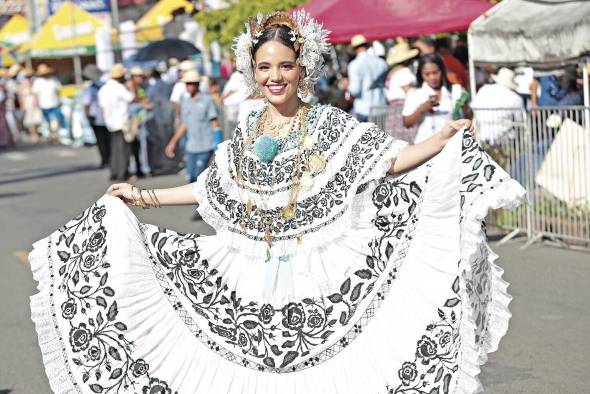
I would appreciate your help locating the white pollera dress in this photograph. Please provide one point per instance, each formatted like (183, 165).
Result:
(393, 288)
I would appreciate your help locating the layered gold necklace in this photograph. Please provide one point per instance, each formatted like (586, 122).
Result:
(306, 164)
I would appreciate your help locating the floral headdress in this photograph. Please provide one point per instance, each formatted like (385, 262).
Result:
(309, 39)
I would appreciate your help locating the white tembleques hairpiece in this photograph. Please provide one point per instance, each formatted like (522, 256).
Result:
(306, 33)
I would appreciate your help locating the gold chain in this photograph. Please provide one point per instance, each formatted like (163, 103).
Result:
(288, 211)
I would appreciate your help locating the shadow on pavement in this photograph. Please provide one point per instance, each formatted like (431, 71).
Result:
(52, 173)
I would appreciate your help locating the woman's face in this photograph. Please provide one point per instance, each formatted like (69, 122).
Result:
(432, 75)
(277, 73)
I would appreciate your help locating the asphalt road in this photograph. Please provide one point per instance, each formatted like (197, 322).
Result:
(545, 351)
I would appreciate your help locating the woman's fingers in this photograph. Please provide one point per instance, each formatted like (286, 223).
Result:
(113, 187)
(460, 123)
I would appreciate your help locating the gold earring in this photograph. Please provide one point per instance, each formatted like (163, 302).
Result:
(302, 88)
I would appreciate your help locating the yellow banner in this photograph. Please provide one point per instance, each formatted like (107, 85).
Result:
(70, 31)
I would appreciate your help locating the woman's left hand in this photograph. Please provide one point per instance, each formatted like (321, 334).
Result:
(452, 127)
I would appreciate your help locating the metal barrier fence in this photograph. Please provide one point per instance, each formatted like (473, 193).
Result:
(547, 150)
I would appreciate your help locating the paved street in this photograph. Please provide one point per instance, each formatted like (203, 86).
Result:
(545, 351)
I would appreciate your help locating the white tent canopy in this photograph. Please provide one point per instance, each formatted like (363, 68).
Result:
(543, 34)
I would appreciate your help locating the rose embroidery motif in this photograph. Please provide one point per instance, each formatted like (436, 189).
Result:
(426, 349)
(139, 368)
(407, 373)
(156, 386)
(94, 353)
(97, 239)
(80, 337)
(89, 261)
(266, 313)
(98, 213)
(293, 315)
(68, 309)
(315, 320)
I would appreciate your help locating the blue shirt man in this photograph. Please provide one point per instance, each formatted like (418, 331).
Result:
(198, 116)
(364, 75)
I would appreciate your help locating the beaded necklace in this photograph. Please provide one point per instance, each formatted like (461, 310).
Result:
(298, 124)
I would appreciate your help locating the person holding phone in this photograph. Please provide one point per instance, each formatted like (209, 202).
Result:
(431, 105)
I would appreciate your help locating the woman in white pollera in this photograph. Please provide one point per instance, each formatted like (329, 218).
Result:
(345, 262)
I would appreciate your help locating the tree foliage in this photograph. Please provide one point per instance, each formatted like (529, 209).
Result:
(223, 25)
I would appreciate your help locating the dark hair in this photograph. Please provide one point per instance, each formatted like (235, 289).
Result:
(275, 33)
(437, 60)
(442, 42)
(428, 41)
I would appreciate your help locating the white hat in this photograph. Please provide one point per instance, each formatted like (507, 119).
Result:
(136, 71)
(191, 76)
(187, 65)
(505, 77)
(358, 40)
(377, 49)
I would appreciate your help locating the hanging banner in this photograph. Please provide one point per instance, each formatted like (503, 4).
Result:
(94, 6)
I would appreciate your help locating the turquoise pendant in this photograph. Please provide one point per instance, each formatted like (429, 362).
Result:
(266, 148)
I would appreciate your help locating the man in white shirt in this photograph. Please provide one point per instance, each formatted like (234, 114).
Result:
(46, 88)
(234, 93)
(364, 73)
(498, 108)
(179, 88)
(114, 99)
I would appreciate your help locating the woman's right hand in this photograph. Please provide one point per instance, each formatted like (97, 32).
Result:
(124, 191)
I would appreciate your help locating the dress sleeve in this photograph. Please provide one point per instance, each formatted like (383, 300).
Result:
(411, 104)
(386, 149)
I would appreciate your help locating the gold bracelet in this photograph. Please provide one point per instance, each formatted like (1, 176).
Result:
(152, 194)
(136, 200)
(153, 202)
(145, 204)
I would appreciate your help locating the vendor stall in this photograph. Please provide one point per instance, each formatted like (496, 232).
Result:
(150, 26)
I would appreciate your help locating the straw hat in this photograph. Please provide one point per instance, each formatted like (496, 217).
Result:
(117, 71)
(358, 40)
(91, 72)
(191, 76)
(505, 77)
(136, 71)
(14, 70)
(43, 69)
(173, 62)
(187, 65)
(401, 52)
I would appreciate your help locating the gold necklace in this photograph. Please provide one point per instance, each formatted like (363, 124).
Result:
(288, 211)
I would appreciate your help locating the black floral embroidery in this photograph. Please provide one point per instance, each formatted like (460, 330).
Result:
(280, 172)
(103, 354)
(436, 358)
(283, 338)
(156, 386)
(313, 212)
(408, 373)
(484, 175)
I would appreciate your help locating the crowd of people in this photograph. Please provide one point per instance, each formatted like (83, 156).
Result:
(27, 99)
(421, 86)
(158, 121)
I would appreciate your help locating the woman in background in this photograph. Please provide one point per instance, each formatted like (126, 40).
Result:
(432, 103)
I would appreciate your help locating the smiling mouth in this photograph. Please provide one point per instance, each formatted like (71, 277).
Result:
(276, 89)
